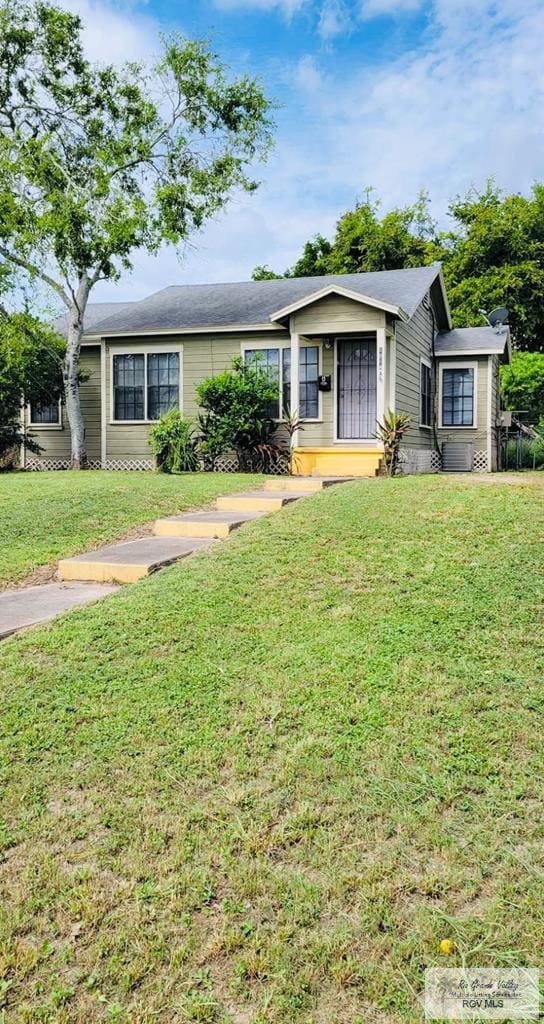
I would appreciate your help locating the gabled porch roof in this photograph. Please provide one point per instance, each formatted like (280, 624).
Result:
(347, 293)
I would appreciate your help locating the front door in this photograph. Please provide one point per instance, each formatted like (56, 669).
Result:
(356, 388)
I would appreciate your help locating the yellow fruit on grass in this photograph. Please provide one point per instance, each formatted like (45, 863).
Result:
(446, 947)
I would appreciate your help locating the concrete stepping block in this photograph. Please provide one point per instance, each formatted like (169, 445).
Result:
(130, 560)
(203, 524)
(308, 484)
(258, 501)
(28, 606)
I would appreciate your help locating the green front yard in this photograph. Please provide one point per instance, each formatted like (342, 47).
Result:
(47, 516)
(261, 786)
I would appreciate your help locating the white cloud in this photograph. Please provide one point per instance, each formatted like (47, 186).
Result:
(115, 35)
(375, 8)
(286, 7)
(335, 18)
(307, 76)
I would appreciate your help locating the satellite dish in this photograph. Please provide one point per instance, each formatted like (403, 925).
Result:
(498, 317)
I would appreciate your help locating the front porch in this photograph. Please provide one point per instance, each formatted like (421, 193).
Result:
(356, 387)
(354, 337)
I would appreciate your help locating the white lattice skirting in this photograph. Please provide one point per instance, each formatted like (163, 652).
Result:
(131, 464)
(418, 460)
(480, 462)
(228, 464)
(35, 465)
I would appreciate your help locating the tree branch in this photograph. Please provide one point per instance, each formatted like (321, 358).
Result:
(32, 269)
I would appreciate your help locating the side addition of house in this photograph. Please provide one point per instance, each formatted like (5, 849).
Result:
(342, 349)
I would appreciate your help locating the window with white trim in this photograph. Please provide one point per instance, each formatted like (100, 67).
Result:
(268, 360)
(48, 415)
(145, 385)
(458, 396)
(277, 364)
(425, 401)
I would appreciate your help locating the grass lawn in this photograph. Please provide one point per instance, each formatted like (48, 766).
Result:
(47, 516)
(262, 786)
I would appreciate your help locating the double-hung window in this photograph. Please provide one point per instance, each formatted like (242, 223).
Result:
(276, 362)
(145, 385)
(425, 394)
(269, 361)
(48, 415)
(458, 396)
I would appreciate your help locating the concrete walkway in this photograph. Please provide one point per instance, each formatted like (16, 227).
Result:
(95, 574)
(30, 605)
(179, 536)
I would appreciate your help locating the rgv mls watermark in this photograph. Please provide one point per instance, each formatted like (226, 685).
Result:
(481, 993)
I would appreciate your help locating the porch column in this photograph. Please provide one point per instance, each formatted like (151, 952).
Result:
(381, 374)
(295, 379)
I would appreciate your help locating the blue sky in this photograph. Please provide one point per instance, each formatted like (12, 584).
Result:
(395, 94)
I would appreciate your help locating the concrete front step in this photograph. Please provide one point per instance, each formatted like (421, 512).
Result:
(258, 501)
(203, 524)
(130, 560)
(20, 608)
(303, 483)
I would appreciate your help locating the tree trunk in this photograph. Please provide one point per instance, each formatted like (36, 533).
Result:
(71, 376)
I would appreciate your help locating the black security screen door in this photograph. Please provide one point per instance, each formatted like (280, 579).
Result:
(357, 388)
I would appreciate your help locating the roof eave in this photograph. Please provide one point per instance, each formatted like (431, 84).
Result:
(470, 352)
(160, 331)
(347, 293)
(445, 298)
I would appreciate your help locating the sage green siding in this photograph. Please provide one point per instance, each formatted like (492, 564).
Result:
(335, 314)
(201, 356)
(56, 443)
(413, 341)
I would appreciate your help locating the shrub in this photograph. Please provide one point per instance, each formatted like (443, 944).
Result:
(391, 431)
(237, 405)
(174, 444)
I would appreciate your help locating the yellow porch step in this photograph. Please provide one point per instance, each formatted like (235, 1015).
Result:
(337, 462)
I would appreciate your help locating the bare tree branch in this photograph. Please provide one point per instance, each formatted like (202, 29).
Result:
(31, 268)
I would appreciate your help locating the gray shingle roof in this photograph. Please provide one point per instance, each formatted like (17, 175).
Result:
(254, 302)
(95, 312)
(471, 339)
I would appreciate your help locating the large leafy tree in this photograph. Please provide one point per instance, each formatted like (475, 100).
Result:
(494, 256)
(523, 385)
(97, 162)
(31, 359)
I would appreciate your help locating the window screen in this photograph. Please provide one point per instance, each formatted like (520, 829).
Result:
(425, 395)
(128, 387)
(45, 415)
(268, 360)
(162, 383)
(458, 397)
